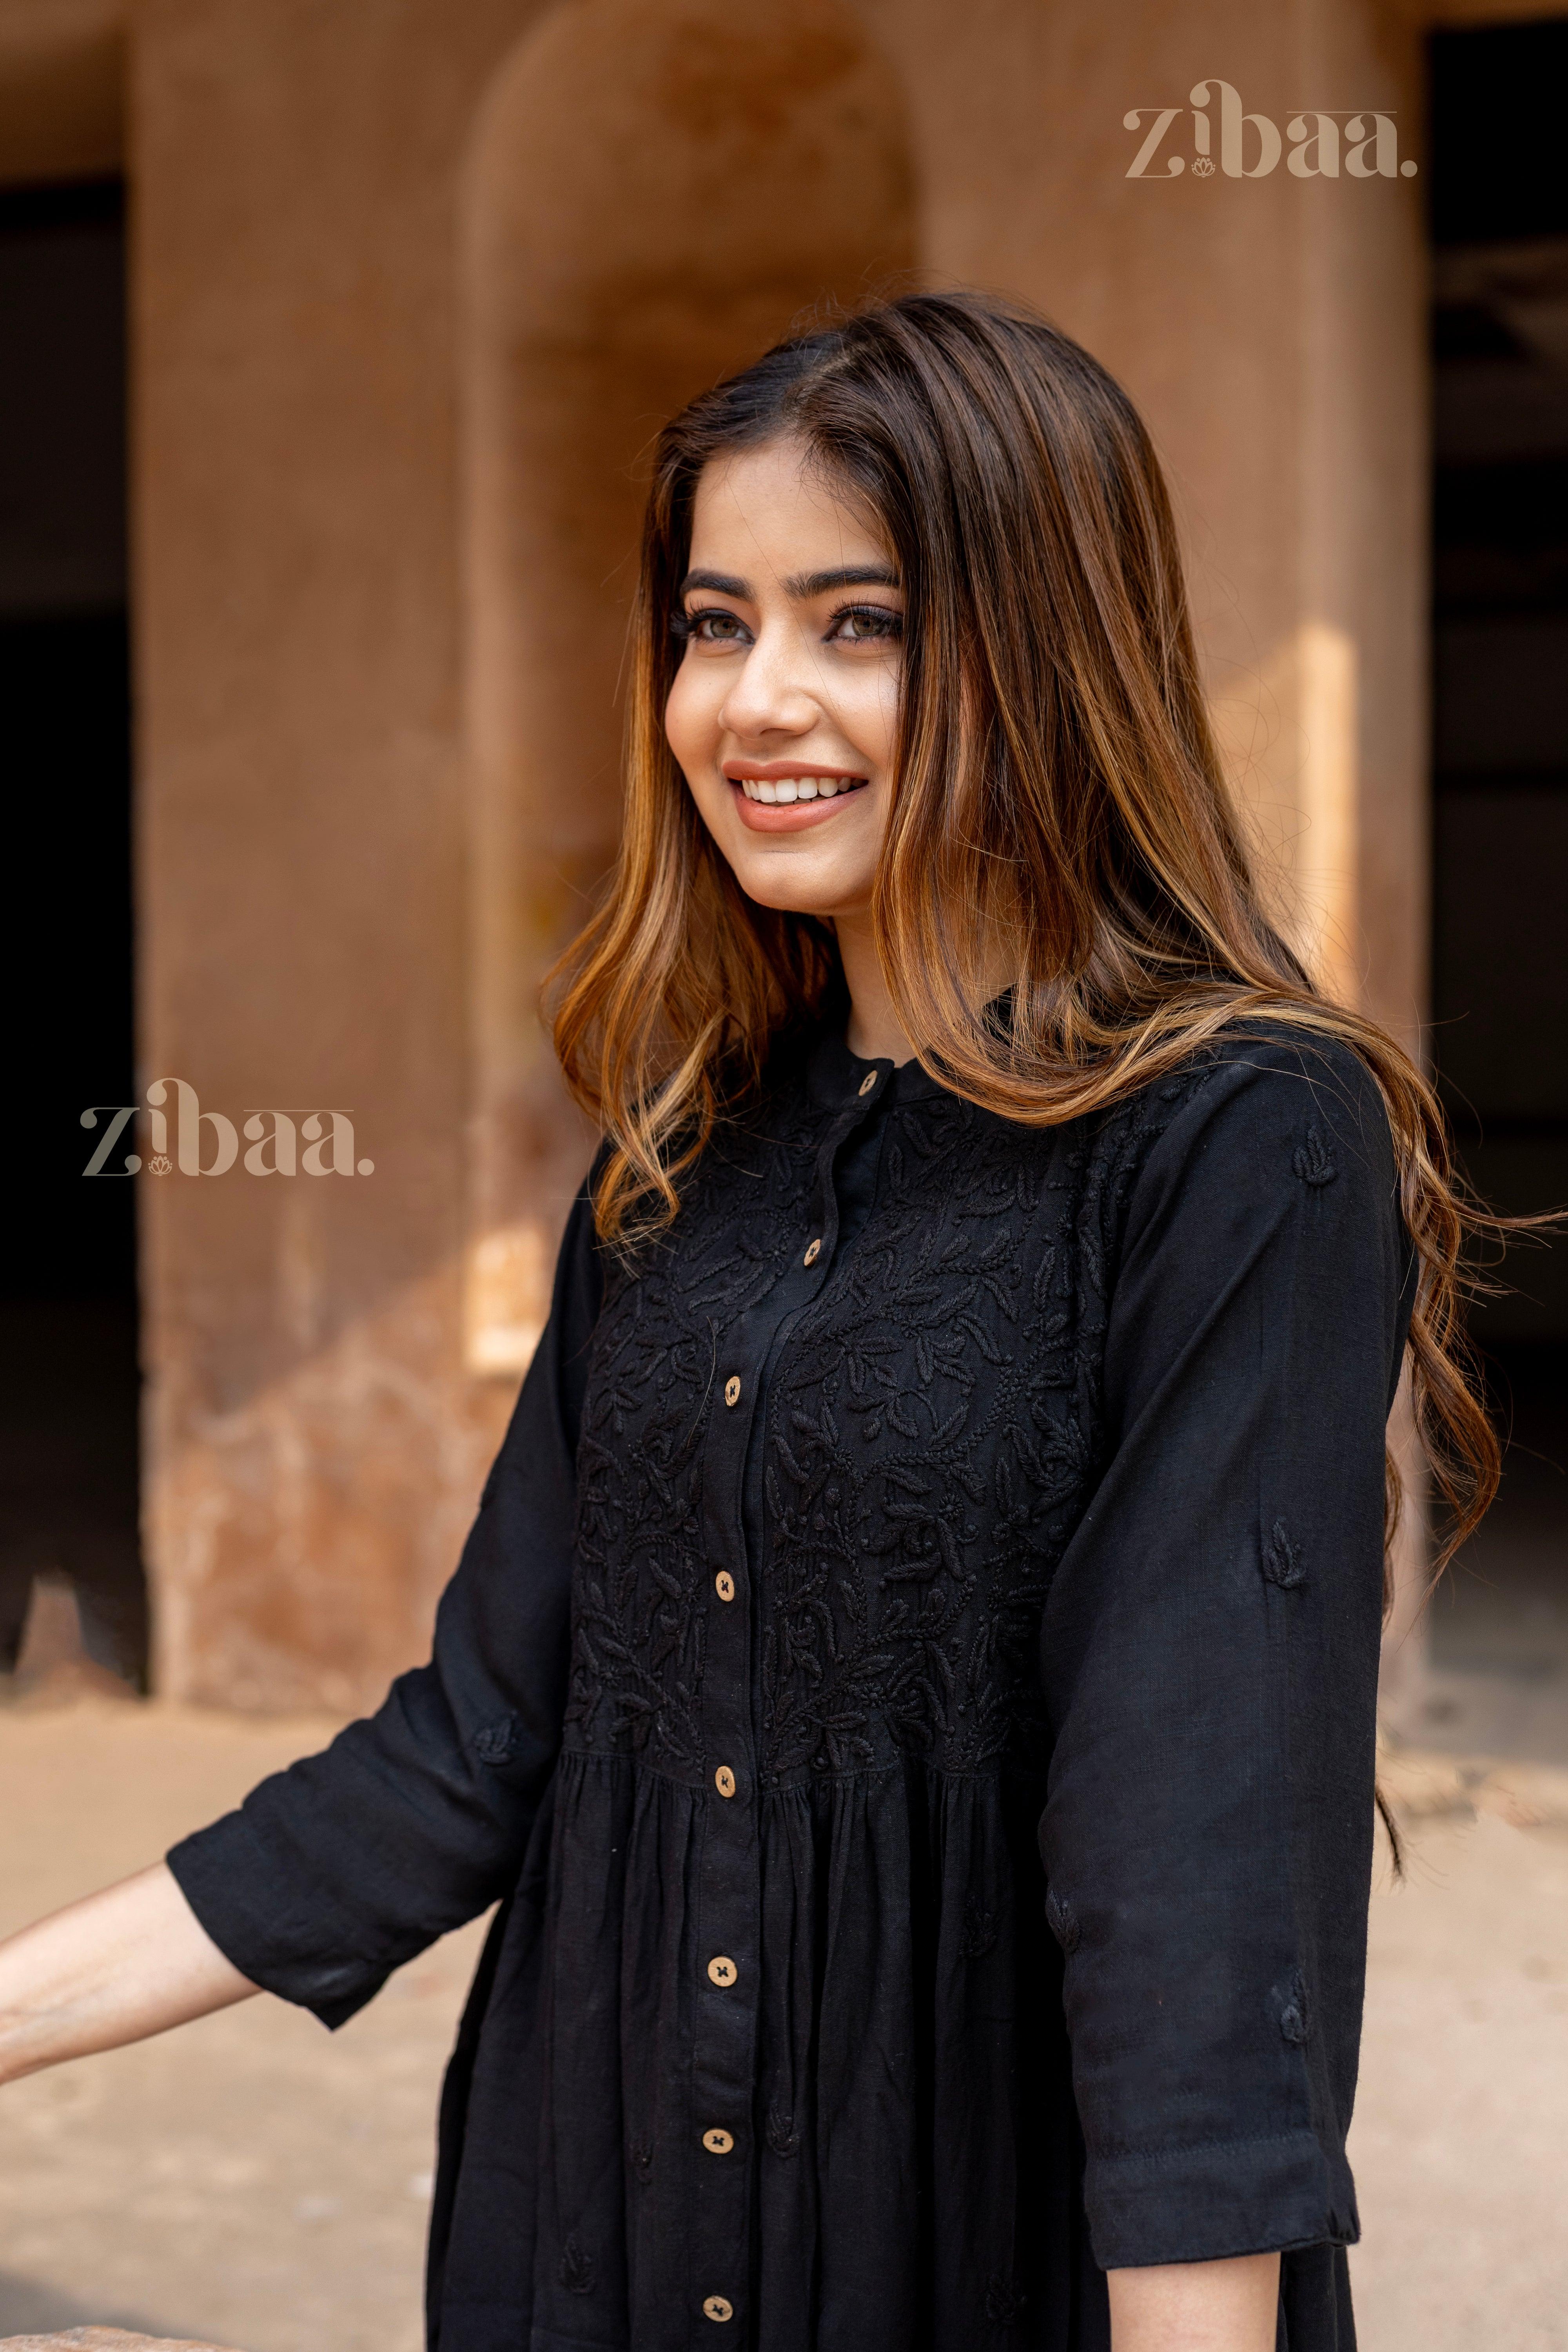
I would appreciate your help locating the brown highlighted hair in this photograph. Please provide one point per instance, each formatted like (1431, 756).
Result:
(1060, 799)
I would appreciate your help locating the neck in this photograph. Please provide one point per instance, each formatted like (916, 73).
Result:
(873, 1031)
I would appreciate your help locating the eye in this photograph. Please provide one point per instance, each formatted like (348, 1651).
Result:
(711, 625)
(861, 625)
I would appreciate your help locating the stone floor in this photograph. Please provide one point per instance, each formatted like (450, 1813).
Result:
(251, 2181)
(100, 2339)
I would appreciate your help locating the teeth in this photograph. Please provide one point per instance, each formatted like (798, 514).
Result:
(784, 789)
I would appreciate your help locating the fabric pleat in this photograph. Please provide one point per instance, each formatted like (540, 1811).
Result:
(913, 2126)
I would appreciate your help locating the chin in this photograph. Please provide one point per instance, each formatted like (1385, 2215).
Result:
(805, 873)
(783, 900)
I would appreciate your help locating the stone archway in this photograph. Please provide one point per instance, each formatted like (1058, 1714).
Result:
(657, 189)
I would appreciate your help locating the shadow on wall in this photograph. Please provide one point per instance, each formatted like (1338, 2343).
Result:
(656, 192)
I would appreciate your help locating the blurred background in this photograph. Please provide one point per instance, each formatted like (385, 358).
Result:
(332, 337)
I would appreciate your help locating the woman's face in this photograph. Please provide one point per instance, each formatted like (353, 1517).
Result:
(784, 713)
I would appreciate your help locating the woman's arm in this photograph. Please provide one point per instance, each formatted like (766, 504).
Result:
(1210, 1660)
(338, 1871)
(1225, 2306)
(121, 1965)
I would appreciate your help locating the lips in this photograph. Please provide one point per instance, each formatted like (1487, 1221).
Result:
(791, 803)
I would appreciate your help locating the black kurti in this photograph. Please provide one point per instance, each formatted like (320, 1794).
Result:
(910, 1686)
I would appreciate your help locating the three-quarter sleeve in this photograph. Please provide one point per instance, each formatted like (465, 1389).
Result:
(334, 1873)
(1210, 1652)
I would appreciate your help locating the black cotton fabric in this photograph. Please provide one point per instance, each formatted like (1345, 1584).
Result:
(912, 1700)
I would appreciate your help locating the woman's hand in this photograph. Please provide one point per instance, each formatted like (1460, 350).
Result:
(1228, 2306)
(115, 1968)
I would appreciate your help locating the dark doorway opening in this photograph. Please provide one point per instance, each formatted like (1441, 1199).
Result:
(1499, 222)
(69, 1379)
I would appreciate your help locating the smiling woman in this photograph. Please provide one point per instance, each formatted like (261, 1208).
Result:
(910, 1683)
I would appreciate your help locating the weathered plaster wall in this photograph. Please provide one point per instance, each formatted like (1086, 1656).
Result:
(1272, 330)
(313, 1446)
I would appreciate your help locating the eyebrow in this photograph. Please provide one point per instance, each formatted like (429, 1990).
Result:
(801, 586)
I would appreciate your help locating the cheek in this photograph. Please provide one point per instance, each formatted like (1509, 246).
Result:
(869, 713)
(691, 715)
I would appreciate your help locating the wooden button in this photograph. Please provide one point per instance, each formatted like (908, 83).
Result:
(733, 1390)
(722, 1972)
(725, 1780)
(724, 1585)
(717, 2308)
(717, 2141)
(868, 1082)
(813, 1252)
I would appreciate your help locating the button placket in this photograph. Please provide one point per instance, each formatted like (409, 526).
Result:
(729, 1897)
(728, 1886)
(822, 1226)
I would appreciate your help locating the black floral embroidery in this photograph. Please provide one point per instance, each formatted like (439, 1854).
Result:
(1062, 1921)
(639, 1590)
(924, 1439)
(1313, 1162)
(933, 1427)
(496, 1742)
(1282, 1563)
(783, 2138)
(576, 2268)
(1292, 2001)
(979, 1933)
(1004, 2303)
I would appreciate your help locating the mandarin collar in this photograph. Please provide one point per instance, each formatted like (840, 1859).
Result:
(836, 1076)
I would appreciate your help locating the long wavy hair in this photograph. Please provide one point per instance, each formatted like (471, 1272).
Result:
(1060, 809)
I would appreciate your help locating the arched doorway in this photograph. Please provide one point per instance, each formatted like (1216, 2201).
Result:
(1497, 1674)
(69, 1385)
(656, 191)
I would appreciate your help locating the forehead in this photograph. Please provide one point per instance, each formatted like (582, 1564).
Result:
(775, 502)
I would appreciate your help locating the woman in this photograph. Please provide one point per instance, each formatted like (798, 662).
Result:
(910, 1682)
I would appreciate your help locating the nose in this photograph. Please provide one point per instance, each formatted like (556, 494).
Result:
(771, 693)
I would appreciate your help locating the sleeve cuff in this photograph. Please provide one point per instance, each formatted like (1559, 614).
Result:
(225, 1877)
(1227, 2197)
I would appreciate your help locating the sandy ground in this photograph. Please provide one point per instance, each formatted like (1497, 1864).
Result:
(253, 2181)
